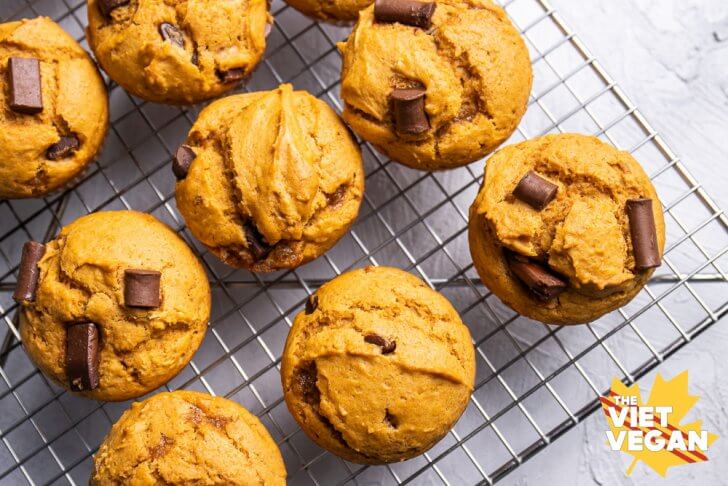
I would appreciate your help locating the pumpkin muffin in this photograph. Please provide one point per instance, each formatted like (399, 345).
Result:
(378, 367)
(434, 85)
(114, 306)
(269, 180)
(565, 228)
(54, 112)
(178, 51)
(187, 437)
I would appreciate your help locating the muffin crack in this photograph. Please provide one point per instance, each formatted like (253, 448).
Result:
(471, 104)
(247, 222)
(427, 315)
(189, 35)
(199, 415)
(40, 53)
(570, 180)
(306, 385)
(387, 344)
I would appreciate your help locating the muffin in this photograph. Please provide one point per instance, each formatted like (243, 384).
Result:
(114, 307)
(434, 85)
(178, 51)
(187, 437)
(269, 180)
(341, 12)
(565, 228)
(378, 367)
(55, 112)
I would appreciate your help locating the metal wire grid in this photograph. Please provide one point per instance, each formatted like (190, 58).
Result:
(534, 381)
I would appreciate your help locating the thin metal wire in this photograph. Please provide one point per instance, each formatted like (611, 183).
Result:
(399, 226)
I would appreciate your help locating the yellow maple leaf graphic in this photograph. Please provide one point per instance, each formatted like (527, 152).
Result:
(672, 393)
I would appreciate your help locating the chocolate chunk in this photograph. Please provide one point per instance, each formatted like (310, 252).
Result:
(644, 234)
(82, 356)
(311, 304)
(335, 199)
(29, 272)
(231, 75)
(544, 284)
(386, 345)
(141, 288)
(409, 111)
(182, 161)
(26, 95)
(65, 147)
(256, 243)
(535, 191)
(305, 383)
(172, 34)
(106, 6)
(408, 12)
(390, 419)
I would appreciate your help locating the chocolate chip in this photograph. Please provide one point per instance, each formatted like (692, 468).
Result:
(106, 6)
(386, 345)
(29, 272)
(544, 284)
(311, 304)
(644, 234)
(256, 243)
(231, 75)
(335, 199)
(535, 191)
(390, 419)
(65, 147)
(408, 12)
(182, 161)
(305, 383)
(172, 34)
(142, 288)
(82, 356)
(409, 111)
(26, 95)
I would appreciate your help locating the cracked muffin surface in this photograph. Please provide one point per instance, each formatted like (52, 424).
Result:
(187, 437)
(74, 105)
(178, 51)
(82, 279)
(471, 62)
(378, 367)
(583, 235)
(275, 179)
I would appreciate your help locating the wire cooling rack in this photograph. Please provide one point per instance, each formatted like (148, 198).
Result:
(534, 381)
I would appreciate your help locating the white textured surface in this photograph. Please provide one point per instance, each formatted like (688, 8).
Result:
(671, 58)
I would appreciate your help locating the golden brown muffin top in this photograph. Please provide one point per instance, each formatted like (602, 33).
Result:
(472, 63)
(178, 51)
(583, 234)
(276, 179)
(74, 104)
(190, 438)
(378, 367)
(82, 280)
